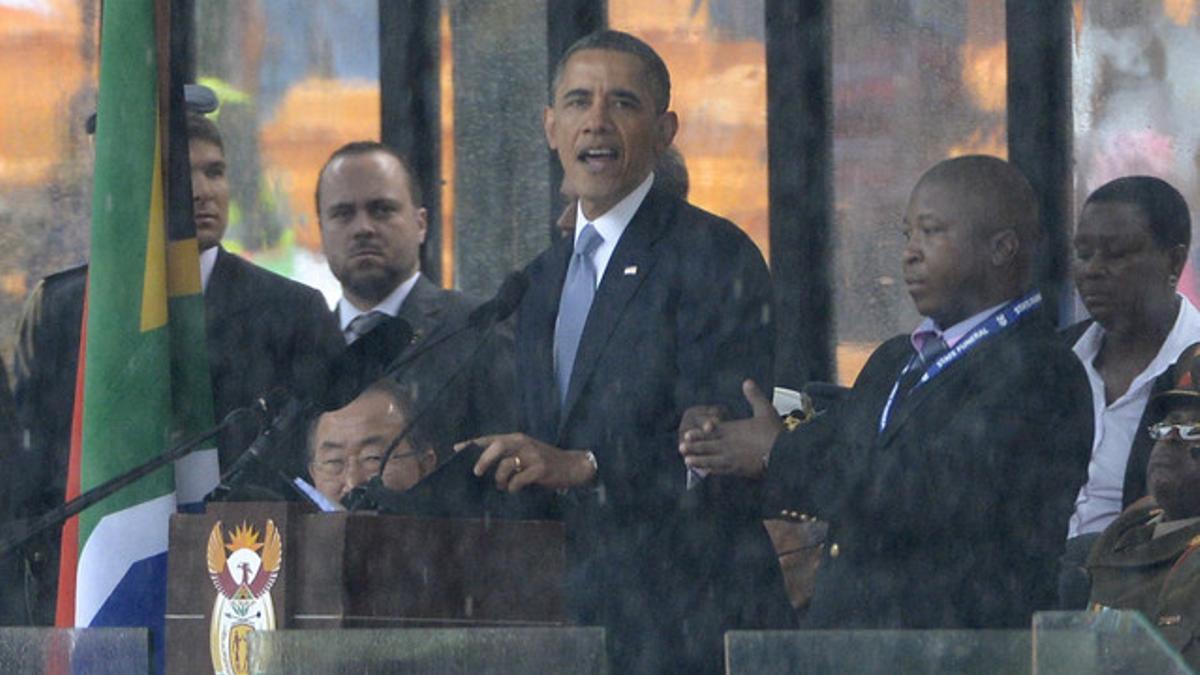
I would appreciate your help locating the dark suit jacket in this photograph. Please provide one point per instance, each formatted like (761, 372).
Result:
(681, 317)
(955, 515)
(263, 331)
(47, 358)
(1134, 487)
(12, 605)
(9, 428)
(478, 401)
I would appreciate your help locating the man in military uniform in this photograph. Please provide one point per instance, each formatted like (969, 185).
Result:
(1147, 559)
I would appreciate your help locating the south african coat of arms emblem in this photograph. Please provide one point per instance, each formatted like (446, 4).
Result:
(242, 568)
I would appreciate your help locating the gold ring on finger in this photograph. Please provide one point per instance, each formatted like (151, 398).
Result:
(517, 463)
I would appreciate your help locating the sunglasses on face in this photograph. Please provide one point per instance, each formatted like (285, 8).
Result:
(1186, 432)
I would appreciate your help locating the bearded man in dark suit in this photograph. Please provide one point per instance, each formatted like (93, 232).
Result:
(947, 475)
(373, 224)
(651, 306)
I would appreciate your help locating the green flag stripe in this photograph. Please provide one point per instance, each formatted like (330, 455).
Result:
(127, 397)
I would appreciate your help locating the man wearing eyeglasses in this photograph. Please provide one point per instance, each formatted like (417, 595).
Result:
(1147, 559)
(346, 446)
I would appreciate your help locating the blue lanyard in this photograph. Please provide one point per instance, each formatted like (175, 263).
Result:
(999, 320)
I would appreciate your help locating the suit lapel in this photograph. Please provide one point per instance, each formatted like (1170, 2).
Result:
(221, 297)
(631, 264)
(422, 311)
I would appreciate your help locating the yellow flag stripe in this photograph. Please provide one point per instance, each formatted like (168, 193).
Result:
(183, 268)
(154, 284)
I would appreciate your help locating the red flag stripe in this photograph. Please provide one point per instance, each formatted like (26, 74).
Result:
(68, 561)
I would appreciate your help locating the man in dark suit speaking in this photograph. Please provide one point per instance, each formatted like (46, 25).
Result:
(651, 306)
(947, 476)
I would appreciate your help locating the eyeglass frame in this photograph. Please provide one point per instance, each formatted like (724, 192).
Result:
(320, 467)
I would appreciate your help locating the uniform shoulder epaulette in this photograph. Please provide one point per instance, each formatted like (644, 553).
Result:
(65, 275)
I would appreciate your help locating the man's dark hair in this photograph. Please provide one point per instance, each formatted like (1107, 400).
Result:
(200, 128)
(616, 41)
(671, 173)
(1165, 209)
(400, 394)
(355, 148)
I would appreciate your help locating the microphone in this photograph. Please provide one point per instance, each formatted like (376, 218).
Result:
(284, 414)
(363, 362)
(279, 412)
(484, 318)
(503, 304)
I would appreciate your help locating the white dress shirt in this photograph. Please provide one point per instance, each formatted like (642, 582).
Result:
(1099, 501)
(611, 224)
(208, 260)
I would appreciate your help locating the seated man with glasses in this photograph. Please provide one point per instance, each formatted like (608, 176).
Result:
(346, 446)
(1148, 559)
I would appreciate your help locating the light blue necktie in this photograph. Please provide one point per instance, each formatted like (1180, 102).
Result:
(578, 291)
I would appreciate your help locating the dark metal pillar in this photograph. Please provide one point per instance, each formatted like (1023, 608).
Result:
(566, 22)
(1039, 127)
(800, 166)
(183, 29)
(409, 95)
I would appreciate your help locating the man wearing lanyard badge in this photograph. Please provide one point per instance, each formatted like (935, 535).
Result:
(947, 475)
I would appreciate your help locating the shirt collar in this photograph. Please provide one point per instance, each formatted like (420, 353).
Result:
(208, 260)
(1164, 527)
(954, 333)
(1183, 334)
(390, 305)
(612, 223)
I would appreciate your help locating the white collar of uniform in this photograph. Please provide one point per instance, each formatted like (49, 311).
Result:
(1164, 527)
(612, 223)
(958, 331)
(1184, 333)
(208, 260)
(390, 305)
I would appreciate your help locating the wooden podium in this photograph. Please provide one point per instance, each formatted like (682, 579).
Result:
(277, 564)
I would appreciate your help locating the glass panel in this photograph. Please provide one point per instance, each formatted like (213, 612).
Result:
(914, 82)
(1133, 75)
(1063, 643)
(500, 84)
(430, 650)
(446, 111)
(82, 650)
(715, 54)
(296, 79)
(1108, 641)
(878, 652)
(48, 65)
